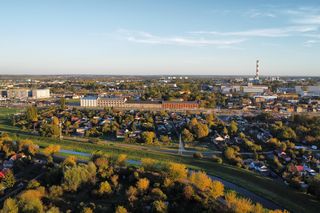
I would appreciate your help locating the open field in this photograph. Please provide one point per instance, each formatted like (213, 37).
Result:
(273, 190)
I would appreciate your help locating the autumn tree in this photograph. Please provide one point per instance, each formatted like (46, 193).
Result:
(104, 188)
(121, 160)
(121, 209)
(27, 147)
(188, 192)
(233, 128)
(176, 171)
(30, 201)
(55, 128)
(132, 194)
(62, 103)
(159, 206)
(55, 192)
(148, 137)
(74, 177)
(10, 206)
(142, 184)
(201, 130)
(149, 164)
(70, 161)
(187, 136)
(50, 150)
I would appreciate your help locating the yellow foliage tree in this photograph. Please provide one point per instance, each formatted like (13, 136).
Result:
(105, 188)
(176, 171)
(143, 184)
(121, 160)
(217, 189)
(200, 180)
(51, 149)
(121, 209)
(70, 161)
(149, 164)
(188, 192)
(132, 193)
(239, 205)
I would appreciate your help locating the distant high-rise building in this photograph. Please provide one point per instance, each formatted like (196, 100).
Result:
(257, 70)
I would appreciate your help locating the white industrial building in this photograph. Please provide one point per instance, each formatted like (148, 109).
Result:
(253, 89)
(40, 93)
(313, 91)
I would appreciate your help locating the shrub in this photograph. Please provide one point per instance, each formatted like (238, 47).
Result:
(94, 140)
(188, 192)
(197, 155)
(105, 188)
(149, 164)
(159, 206)
(132, 193)
(33, 184)
(55, 191)
(121, 209)
(121, 160)
(86, 210)
(216, 159)
(70, 161)
(158, 194)
(53, 210)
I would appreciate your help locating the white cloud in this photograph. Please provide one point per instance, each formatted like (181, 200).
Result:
(148, 38)
(310, 43)
(267, 32)
(253, 13)
(304, 15)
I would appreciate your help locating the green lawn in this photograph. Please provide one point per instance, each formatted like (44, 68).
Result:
(276, 191)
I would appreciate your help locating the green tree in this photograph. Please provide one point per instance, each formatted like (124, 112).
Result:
(9, 179)
(62, 103)
(315, 185)
(233, 127)
(159, 206)
(32, 116)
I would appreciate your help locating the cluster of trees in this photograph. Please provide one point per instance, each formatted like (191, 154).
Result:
(106, 184)
(250, 145)
(296, 128)
(306, 128)
(10, 147)
(53, 121)
(233, 156)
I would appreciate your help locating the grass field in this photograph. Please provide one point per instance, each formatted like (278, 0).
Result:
(276, 191)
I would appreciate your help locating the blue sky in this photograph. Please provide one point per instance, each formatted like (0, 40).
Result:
(160, 37)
